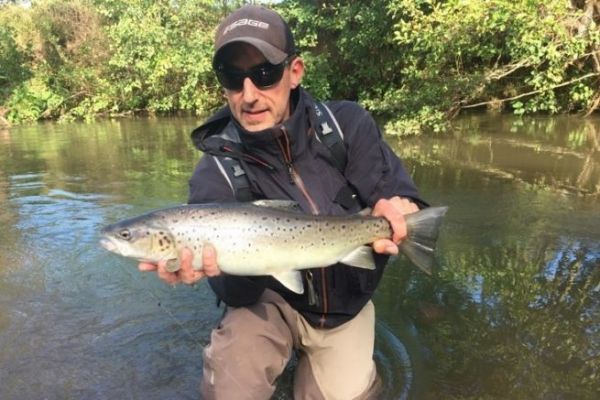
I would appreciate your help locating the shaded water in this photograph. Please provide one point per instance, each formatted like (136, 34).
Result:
(513, 311)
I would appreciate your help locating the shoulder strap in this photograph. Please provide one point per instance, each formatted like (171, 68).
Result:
(330, 134)
(236, 177)
(232, 169)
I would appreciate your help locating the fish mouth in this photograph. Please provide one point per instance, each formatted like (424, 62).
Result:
(108, 244)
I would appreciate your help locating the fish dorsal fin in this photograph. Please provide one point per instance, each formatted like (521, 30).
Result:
(283, 205)
(361, 257)
(365, 212)
(291, 280)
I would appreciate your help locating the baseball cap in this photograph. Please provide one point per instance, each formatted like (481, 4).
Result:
(260, 27)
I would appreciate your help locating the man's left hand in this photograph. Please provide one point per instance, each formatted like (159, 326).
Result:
(393, 210)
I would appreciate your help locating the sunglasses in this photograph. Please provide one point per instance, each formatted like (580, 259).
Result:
(262, 76)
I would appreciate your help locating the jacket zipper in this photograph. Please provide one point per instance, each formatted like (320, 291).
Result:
(296, 179)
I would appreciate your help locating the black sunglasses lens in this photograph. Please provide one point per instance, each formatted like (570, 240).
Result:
(229, 79)
(262, 76)
(266, 75)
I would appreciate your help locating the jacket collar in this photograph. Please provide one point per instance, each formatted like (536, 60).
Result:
(262, 144)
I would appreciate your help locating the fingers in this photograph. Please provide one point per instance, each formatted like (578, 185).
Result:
(385, 246)
(168, 277)
(394, 210)
(147, 267)
(186, 273)
(209, 261)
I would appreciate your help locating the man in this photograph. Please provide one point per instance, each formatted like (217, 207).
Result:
(269, 126)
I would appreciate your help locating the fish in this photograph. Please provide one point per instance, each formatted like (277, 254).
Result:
(268, 237)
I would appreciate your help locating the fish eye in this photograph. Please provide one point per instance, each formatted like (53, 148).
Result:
(125, 234)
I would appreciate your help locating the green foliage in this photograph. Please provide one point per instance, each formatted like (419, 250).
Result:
(414, 63)
(469, 52)
(112, 57)
(419, 62)
(161, 55)
(13, 58)
(12, 62)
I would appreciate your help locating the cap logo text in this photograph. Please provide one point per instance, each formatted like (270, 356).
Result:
(243, 22)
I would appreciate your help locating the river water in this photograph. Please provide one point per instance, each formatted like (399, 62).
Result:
(513, 310)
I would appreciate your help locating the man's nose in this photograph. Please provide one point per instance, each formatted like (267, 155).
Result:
(249, 91)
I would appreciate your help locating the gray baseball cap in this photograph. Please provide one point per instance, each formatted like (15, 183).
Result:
(260, 27)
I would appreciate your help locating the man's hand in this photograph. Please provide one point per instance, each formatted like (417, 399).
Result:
(186, 273)
(393, 210)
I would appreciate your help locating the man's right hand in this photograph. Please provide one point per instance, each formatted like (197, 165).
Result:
(186, 273)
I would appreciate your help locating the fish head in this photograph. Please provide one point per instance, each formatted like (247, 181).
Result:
(140, 239)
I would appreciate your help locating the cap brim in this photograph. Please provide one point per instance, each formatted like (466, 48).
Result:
(271, 53)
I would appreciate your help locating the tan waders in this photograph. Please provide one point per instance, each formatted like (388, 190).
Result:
(252, 346)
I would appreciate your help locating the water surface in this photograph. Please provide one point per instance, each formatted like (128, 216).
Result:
(512, 312)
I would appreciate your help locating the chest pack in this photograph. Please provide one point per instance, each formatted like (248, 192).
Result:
(328, 132)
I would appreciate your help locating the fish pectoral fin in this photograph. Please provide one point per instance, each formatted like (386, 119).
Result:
(291, 280)
(361, 257)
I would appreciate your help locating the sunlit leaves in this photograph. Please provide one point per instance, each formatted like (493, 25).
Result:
(416, 63)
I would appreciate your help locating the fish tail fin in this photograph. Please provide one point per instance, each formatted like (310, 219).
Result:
(423, 228)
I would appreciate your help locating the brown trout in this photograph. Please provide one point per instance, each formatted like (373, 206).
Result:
(267, 237)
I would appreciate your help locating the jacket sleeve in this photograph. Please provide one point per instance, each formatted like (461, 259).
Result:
(208, 185)
(373, 168)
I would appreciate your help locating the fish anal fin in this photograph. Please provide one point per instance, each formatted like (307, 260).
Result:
(361, 257)
(291, 280)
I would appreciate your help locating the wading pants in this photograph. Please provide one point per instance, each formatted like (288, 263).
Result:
(252, 346)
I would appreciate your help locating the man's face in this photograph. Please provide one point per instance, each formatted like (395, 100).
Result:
(257, 109)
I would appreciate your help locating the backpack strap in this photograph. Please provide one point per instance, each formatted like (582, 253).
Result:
(232, 169)
(330, 134)
(236, 177)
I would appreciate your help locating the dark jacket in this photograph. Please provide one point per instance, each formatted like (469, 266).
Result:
(373, 170)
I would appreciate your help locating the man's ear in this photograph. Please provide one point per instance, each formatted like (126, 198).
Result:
(296, 72)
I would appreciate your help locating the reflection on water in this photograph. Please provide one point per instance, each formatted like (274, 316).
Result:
(561, 154)
(513, 311)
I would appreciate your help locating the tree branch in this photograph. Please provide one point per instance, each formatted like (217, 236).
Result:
(532, 92)
(594, 105)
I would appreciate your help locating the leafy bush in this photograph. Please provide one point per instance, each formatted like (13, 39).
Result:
(416, 63)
